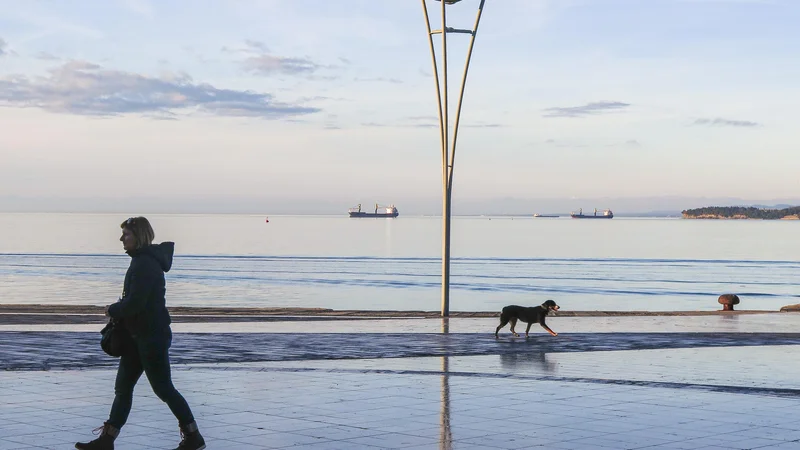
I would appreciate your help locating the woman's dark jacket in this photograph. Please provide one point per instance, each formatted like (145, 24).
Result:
(143, 307)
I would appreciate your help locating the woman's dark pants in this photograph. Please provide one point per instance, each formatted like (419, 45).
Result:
(152, 358)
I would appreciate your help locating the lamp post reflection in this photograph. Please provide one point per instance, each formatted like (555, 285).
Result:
(445, 433)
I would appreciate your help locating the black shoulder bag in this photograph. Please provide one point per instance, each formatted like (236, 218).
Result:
(115, 340)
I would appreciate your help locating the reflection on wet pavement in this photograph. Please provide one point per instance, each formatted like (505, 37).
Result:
(53, 350)
(747, 323)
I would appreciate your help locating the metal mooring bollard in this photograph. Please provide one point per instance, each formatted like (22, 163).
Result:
(727, 301)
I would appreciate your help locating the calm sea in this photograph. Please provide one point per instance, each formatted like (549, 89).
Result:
(342, 263)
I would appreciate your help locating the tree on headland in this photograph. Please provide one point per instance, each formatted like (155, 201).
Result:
(740, 212)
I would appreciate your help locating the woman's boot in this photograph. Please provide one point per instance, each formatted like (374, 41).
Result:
(191, 438)
(105, 441)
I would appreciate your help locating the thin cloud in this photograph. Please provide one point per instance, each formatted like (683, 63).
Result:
(416, 124)
(726, 123)
(44, 56)
(433, 122)
(562, 144)
(84, 88)
(315, 98)
(258, 45)
(323, 77)
(633, 143)
(250, 46)
(162, 115)
(260, 61)
(630, 143)
(378, 80)
(482, 125)
(270, 65)
(421, 121)
(430, 121)
(588, 109)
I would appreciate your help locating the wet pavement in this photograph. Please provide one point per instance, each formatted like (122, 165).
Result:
(616, 383)
(63, 350)
(740, 323)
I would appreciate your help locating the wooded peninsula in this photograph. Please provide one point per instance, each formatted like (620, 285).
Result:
(741, 212)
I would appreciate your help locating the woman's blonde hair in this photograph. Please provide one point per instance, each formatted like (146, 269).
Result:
(142, 231)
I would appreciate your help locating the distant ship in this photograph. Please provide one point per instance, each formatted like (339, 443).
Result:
(544, 215)
(605, 214)
(380, 211)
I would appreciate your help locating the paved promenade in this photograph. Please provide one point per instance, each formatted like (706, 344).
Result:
(683, 382)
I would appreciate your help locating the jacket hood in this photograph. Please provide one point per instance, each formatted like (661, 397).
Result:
(162, 253)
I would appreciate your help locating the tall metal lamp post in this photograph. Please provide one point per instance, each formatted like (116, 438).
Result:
(448, 146)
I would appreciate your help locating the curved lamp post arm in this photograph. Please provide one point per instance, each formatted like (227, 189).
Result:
(461, 91)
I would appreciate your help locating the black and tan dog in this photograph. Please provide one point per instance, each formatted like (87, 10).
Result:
(529, 315)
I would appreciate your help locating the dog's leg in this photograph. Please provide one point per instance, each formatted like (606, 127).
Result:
(503, 322)
(549, 330)
(514, 324)
(528, 328)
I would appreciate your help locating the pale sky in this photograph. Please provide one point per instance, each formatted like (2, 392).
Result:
(334, 100)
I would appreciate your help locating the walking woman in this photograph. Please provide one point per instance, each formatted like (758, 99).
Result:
(142, 309)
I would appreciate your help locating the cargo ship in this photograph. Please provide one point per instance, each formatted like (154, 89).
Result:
(605, 214)
(380, 211)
